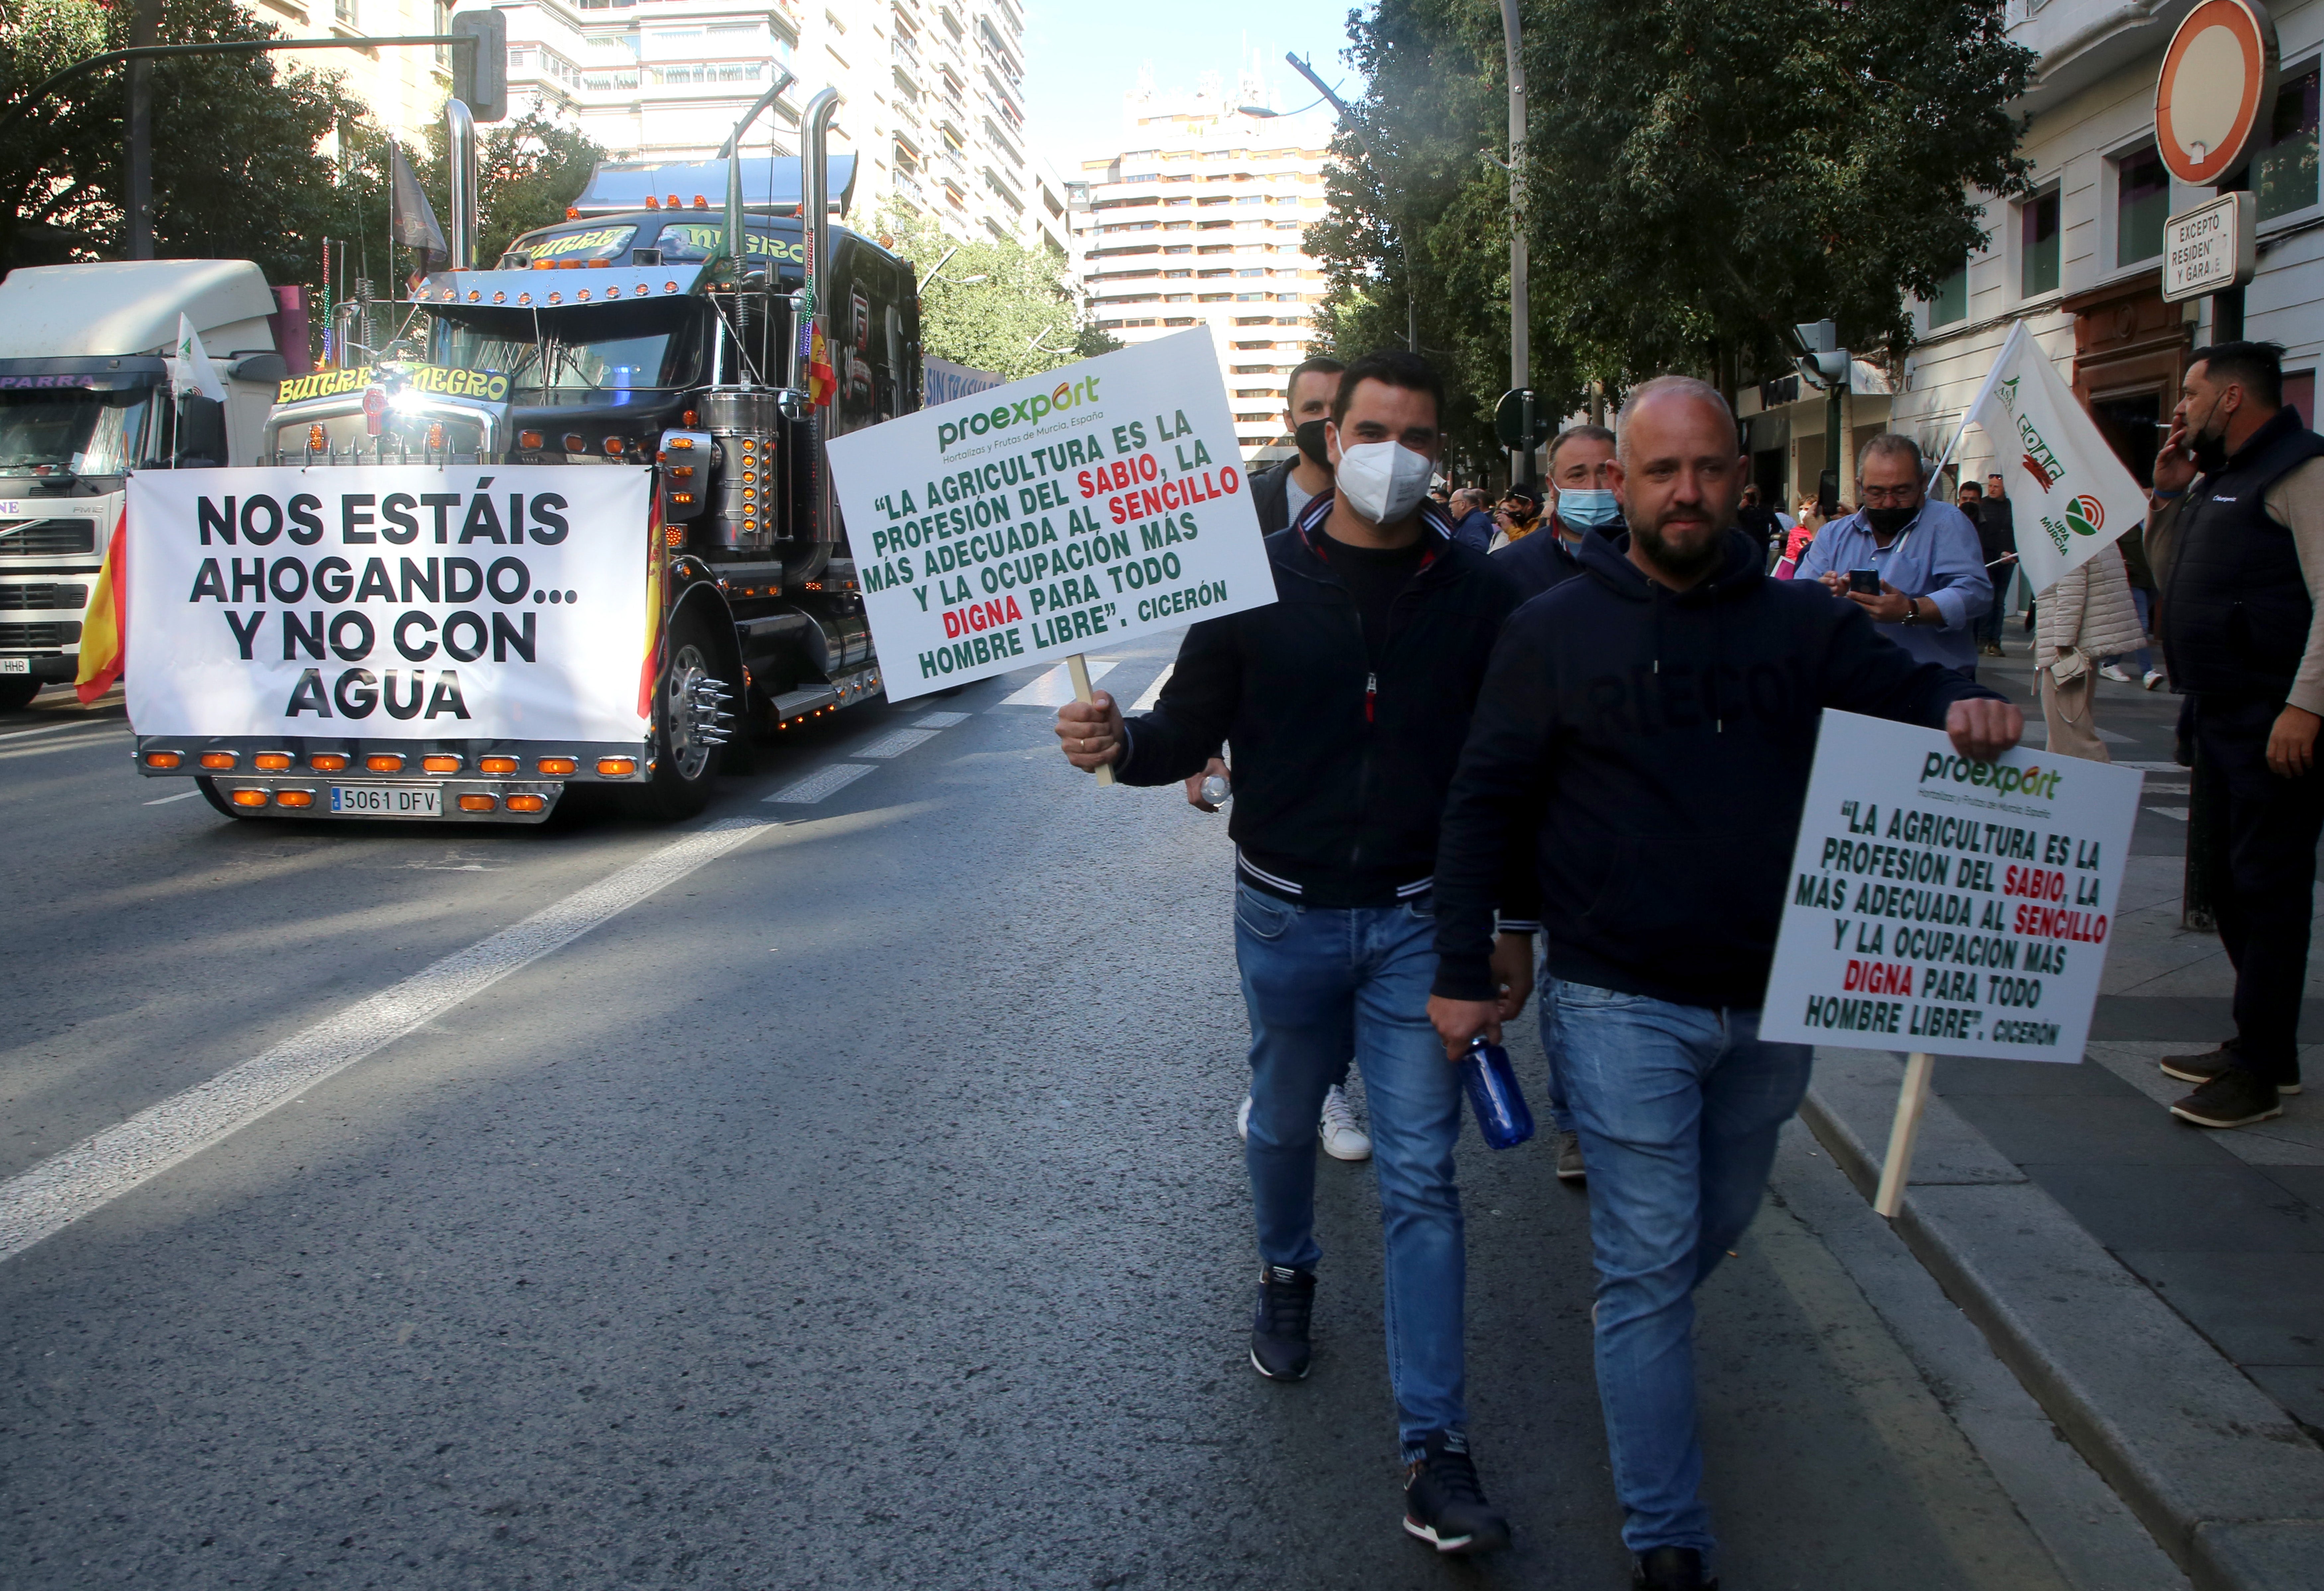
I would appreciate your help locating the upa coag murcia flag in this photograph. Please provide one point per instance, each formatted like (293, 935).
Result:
(2072, 494)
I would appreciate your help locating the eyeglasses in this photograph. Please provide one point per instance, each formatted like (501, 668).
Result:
(1891, 496)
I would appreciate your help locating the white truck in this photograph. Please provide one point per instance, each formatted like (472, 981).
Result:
(85, 397)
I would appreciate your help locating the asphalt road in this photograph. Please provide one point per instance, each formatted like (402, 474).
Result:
(859, 1208)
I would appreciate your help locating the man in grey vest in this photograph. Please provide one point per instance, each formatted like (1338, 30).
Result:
(2241, 633)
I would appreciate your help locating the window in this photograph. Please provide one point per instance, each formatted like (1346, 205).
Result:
(2285, 174)
(345, 10)
(2038, 244)
(1952, 302)
(442, 12)
(2141, 198)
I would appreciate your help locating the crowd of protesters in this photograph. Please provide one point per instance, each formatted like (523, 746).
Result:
(1461, 729)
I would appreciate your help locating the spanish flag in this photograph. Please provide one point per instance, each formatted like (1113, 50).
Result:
(104, 635)
(650, 672)
(821, 384)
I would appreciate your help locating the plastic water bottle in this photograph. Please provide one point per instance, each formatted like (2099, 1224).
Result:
(1215, 790)
(1502, 1119)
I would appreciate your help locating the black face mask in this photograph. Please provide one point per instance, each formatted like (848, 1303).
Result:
(1888, 521)
(1310, 436)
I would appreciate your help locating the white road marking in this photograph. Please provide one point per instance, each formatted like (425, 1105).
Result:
(2171, 768)
(821, 783)
(941, 720)
(2113, 739)
(77, 743)
(895, 743)
(58, 1191)
(181, 796)
(2179, 813)
(1153, 693)
(50, 729)
(1055, 688)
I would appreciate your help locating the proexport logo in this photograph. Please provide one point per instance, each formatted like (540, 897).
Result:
(2039, 783)
(1025, 411)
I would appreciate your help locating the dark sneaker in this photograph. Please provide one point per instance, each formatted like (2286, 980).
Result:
(1445, 1504)
(2234, 1099)
(2210, 1064)
(1279, 1349)
(1670, 1568)
(1569, 1168)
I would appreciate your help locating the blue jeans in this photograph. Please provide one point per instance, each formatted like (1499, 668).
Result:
(1678, 1108)
(1561, 1114)
(1318, 981)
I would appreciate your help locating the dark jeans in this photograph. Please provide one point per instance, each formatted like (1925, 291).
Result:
(2269, 833)
(1987, 631)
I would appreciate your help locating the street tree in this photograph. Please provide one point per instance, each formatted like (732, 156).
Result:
(1701, 174)
(1018, 321)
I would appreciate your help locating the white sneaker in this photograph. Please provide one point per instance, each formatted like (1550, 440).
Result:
(2154, 681)
(2113, 671)
(1343, 1138)
(1242, 1118)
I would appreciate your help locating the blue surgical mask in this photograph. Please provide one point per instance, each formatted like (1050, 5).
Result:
(1591, 510)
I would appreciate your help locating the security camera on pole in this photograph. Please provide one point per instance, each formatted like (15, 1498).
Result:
(1826, 365)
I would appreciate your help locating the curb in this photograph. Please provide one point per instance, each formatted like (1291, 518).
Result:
(2221, 1477)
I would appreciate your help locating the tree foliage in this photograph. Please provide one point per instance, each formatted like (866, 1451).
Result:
(1018, 321)
(1701, 175)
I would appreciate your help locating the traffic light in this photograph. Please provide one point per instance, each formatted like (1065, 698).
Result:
(1825, 363)
(480, 74)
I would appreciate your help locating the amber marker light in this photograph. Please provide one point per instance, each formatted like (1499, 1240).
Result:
(557, 764)
(575, 442)
(480, 803)
(384, 762)
(435, 437)
(271, 761)
(162, 759)
(440, 762)
(294, 798)
(328, 762)
(616, 767)
(529, 440)
(218, 759)
(496, 765)
(528, 804)
(317, 439)
(249, 798)
(613, 445)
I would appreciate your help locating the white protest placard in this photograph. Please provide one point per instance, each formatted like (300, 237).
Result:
(478, 602)
(1944, 906)
(1076, 509)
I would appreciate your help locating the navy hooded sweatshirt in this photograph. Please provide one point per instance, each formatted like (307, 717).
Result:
(1655, 744)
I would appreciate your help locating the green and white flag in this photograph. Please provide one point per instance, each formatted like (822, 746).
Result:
(193, 371)
(2072, 495)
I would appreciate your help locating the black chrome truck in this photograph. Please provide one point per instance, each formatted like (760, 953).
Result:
(674, 320)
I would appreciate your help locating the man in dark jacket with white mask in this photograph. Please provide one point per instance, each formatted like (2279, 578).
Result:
(1345, 703)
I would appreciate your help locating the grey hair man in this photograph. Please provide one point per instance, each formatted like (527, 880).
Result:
(1912, 563)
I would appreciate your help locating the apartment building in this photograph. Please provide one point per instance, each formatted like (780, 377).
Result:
(932, 91)
(1198, 221)
(404, 86)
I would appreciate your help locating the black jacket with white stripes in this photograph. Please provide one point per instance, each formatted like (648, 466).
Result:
(1340, 772)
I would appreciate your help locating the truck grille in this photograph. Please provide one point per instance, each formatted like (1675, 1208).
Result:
(39, 637)
(33, 598)
(48, 539)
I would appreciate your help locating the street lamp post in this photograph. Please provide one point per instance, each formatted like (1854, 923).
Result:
(1521, 468)
(1403, 231)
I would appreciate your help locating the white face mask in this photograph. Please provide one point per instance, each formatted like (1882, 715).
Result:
(1382, 481)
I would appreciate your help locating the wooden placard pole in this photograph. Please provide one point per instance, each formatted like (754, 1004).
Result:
(1078, 667)
(1910, 1104)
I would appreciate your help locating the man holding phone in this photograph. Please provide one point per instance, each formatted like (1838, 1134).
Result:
(1913, 564)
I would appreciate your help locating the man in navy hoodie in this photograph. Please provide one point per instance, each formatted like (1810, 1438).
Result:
(1648, 727)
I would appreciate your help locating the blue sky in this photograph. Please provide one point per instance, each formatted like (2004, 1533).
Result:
(1083, 55)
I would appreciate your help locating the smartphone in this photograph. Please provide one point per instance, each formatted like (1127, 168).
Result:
(1867, 581)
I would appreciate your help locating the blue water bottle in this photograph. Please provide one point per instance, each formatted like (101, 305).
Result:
(1502, 1119)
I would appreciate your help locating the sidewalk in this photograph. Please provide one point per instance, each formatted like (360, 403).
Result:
(2159, 1288)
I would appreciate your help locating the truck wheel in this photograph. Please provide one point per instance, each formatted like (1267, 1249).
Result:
(17, 690)
(691, 725)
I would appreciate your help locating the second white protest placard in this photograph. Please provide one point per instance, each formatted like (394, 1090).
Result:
(1947, 907)
(1073, 509)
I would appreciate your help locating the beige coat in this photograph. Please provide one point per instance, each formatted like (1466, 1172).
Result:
(2088, 611)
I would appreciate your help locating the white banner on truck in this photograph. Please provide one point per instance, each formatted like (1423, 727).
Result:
(481, 603)
(1056, 514)
(1948, 906)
